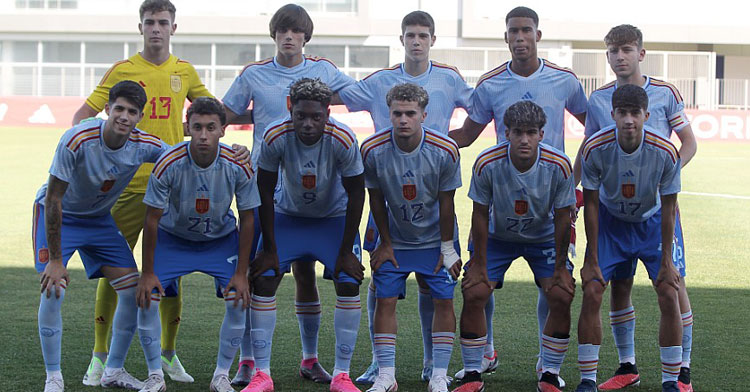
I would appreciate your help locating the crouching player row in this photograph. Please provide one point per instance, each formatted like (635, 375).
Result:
(411, 174)
(523, 194)
(631, 177)
(190, 227)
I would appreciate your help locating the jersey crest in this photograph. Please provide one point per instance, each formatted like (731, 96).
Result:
(175, 82)
(202, 205)
(43, 255)
(521, 207)
(308, 181)
(628, 191)
(409, 191)
(107, 185)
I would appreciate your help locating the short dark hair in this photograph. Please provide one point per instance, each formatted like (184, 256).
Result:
(129, 90)
(307, 89)
(408, 92)
(624, 34)
(207, 106)
(523, 12)
(418, 18)
(291, 16)
(154, 6)
(524, 113)
(630, 96)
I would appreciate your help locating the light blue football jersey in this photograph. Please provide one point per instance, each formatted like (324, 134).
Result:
(410, 183)
(445, 86)
(197, 201)
(664, 103)
(630, 185)
(553, 88)
(522, 205)
(97, 175)
(311, 175)
(266, 84)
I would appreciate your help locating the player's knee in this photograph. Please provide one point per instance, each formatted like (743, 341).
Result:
(265, 286)
(558, 298)
(476, 295)
(666, 293)
(443, 305)
(346, 289)
(592, 293)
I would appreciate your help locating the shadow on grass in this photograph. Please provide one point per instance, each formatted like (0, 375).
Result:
(721, 337)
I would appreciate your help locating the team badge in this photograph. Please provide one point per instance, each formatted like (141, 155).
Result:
(43, 255)
(201, 205)
(628, 191)
(409, 191)
(107, 185)
(308, 181)
(521, 207)
(175, 82)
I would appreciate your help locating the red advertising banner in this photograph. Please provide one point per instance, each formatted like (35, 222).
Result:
(728, 125)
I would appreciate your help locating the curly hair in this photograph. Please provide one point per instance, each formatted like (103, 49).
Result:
(310, 90)
(624, 34)
(524, 113)
(408, 92)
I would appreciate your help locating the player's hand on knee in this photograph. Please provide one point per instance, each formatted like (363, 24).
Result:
(263, 262)
(241, 289)
(52, 276)
(146, 285)
(668, 274)
(349, 264)
(475, 274)
(382, 253)
(591, 273)
(241, 153)
(563, 279)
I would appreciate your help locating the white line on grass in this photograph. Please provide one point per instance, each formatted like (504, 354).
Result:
(722, 195)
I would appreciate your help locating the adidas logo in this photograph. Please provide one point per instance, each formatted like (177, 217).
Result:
(408, 174)
(628, 173)
(523, 192)
(113, 170)
(203, 188)
(527, 96)
(100, 320)
(309, 165)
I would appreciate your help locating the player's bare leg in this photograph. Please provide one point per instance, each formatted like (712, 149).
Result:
(307, 307)
(473, 335)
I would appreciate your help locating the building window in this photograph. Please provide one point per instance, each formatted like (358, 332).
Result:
(61, 52)
(235, 54)
(47, 4)
(334, 53)
(103, 53)
(24, 52)
(368, 56)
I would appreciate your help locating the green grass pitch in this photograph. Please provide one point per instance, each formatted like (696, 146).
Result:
(717, 248)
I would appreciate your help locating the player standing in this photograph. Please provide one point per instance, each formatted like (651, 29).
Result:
(630, 177)
(317, 211)
(93, 164)
(411, 174)
(168, 81)
(266, 85)
(624, 53)
(523, 191)
(195, 182)
(525, 77)
(447, 90)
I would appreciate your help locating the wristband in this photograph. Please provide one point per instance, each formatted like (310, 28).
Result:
(450, 256)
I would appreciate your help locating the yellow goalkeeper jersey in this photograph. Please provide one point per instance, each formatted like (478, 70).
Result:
(167, 86)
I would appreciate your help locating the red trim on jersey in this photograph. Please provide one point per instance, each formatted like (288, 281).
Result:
(670, 86)
(223, 154)
(674, 160)
(446, 66)
(559, 68)
(561, 156)
(606, 86)
(167, 164)
(489, 75)
(79, 134)
(487, 162)
(372, 147)
(344, 131)
(276, 136)
(337, 137)
(392, 68)
(555, 162)
(442, 147)
(318, 58)
(261, 62)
